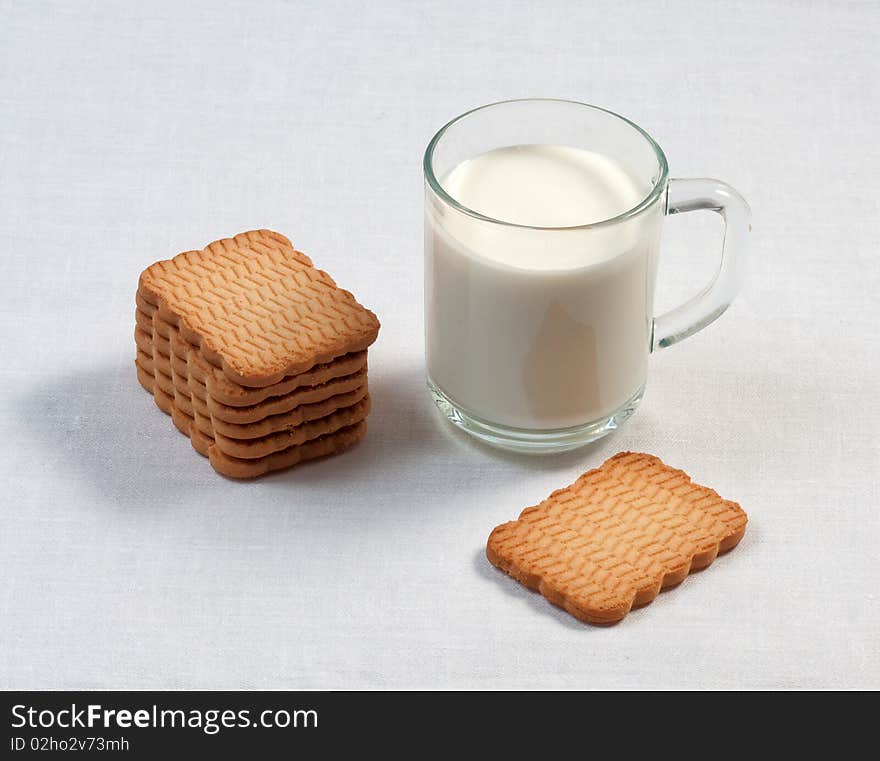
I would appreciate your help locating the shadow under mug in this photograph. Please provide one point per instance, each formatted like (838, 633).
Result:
(545, 360)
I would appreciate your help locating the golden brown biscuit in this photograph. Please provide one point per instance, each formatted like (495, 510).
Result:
(616, 537)
(257, 308)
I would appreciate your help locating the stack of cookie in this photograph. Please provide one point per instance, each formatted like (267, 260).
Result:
(257, 355)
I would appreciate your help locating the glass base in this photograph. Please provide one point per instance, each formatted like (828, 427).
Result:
(533, 442)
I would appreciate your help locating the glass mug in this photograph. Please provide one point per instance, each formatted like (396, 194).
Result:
(537, 338)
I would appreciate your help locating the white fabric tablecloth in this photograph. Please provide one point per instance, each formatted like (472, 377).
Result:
(132, 131)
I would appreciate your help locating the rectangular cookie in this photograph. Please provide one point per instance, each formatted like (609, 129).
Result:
(257, 308)
(616, 537)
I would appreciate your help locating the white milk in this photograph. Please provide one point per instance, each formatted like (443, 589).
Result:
(539, 329)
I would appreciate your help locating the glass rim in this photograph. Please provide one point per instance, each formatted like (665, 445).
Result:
(655, 192)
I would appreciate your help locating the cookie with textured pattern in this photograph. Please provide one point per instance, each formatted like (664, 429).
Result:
(616, 536)
(257, 308)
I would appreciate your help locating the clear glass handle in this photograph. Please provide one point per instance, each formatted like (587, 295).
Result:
(710, 303)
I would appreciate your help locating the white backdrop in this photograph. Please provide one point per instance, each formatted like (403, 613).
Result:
(132, 131)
